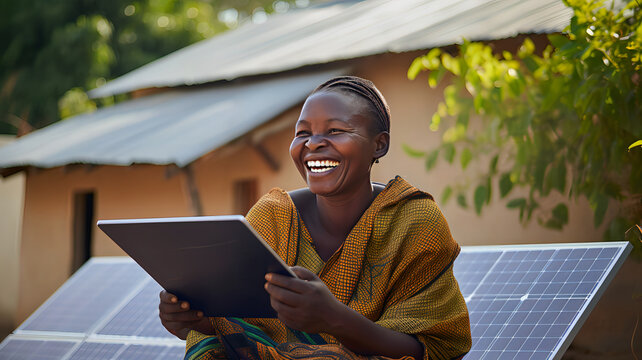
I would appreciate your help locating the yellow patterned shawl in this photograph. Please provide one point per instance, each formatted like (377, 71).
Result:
(395, 268)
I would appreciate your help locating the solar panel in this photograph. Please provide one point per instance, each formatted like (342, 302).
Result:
(525, 301)
(107, 310)
(529, 301)
(90, 294)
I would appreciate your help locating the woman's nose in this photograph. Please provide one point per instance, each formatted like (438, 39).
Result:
(315, 141)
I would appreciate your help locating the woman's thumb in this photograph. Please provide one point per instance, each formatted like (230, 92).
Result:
(303, 273)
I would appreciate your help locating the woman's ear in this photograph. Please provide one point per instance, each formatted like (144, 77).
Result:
(382, 142)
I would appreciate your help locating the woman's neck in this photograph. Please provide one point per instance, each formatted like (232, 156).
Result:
(339, 214)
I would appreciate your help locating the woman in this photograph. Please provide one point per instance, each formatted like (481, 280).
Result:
(374, 263)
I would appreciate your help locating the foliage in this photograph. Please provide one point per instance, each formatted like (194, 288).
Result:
(565, 119)
(53, 51)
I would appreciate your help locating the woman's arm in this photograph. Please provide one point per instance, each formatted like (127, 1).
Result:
(306, 304)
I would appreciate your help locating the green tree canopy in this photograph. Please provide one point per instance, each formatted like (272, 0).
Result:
(563, 119)
(57, 49)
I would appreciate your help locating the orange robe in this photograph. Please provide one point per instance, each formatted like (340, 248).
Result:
(395, 268)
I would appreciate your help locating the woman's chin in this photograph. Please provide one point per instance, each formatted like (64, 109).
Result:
(322, 183)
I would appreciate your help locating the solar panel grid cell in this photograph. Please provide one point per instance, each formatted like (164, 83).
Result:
(94, 351)
(20, 349)
(139, 317)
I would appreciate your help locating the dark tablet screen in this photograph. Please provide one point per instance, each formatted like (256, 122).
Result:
(216, 263)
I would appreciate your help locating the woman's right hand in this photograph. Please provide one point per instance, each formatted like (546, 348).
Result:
(178, 319)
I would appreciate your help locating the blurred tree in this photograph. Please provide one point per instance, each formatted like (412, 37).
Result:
(51, 52)
(565, 119)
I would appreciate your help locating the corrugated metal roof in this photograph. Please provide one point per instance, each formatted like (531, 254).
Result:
(342, 30)
(176, 127)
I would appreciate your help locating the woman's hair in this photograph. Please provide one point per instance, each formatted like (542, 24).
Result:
(365, 89)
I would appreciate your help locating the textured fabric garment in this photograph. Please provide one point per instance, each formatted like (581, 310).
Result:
(395, 268)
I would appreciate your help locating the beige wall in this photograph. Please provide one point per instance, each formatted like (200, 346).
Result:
(152, 191)
(11, 201)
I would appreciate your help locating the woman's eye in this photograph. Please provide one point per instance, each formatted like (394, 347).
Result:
(336, 131)
(301, 133)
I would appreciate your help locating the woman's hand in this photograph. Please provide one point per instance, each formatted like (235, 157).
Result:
(178, 319)
(305, 303)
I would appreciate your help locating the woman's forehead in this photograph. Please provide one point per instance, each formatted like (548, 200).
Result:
(336, 104)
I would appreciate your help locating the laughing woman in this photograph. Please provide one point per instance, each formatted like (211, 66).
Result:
(374, 262)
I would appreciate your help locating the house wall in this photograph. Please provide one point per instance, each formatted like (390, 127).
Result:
(11, 201)
(155, 191)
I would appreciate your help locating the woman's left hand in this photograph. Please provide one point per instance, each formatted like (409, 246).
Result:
(304, 304)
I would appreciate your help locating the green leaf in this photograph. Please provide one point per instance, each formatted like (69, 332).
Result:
(617, 228)
(505, 185)
(558, 40)
(481, 194)
(461, 200)
(415, 68)
(446, 194)
(553, 224)
(435, 121)
(431, 60)
(449, 152)
(435, 77)
(412, 152)
(600, 204)
(465, 158)
(555, 178)
(527, 48)
(637, 143)
(493, 164)
(431, 159)
(560, 213)
(516, 203)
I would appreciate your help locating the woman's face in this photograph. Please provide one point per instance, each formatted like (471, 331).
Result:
(334, 144)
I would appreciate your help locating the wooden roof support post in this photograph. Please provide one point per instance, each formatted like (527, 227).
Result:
(265, 154)
(192, 191)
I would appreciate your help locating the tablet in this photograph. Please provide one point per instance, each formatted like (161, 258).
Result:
(216, 263)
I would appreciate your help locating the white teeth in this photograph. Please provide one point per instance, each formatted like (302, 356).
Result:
(322, 165)
(319, 170)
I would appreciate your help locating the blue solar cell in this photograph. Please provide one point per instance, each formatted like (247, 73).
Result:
(151, 352)
(95, 351)
(95, 290)
(470, 268)
(139, 317)
(21, 349)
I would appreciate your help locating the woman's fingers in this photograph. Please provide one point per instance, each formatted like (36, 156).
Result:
(169, 298)
(281, 294)
(287, 282)
(184, 316)
(173, 308)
